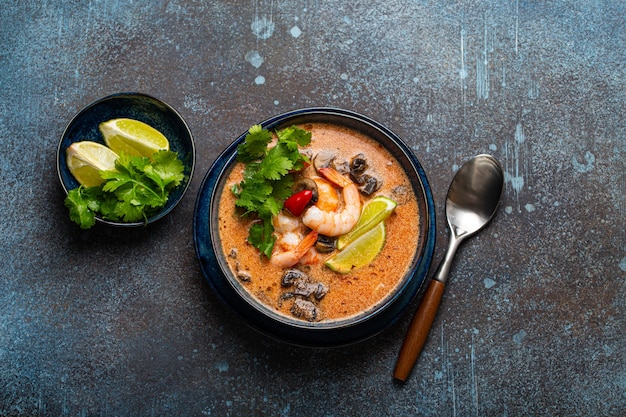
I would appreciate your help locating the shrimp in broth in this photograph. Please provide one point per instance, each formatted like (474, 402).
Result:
(336, 222)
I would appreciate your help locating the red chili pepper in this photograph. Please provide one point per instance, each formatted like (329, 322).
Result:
(298, 201)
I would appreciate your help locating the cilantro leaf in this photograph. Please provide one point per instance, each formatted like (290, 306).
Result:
(270, 207)
(275, 166)
(281, 189)
(294, 137)
(253, 193)
(166, 170)
(261, 237)
(289, 141)
(83, 203)
(255, 144)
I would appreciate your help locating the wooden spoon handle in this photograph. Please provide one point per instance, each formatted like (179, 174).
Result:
(418, 330)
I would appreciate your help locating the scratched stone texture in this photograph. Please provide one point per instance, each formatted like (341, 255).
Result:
(114, 323)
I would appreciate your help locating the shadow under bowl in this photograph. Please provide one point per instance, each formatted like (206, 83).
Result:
(218, 274)
(142, 107)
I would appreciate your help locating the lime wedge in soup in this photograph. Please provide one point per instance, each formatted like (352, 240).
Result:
(375, 211)
(360, 252)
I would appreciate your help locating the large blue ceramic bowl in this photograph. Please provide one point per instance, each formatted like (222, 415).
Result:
(142, 107)
(325, 333)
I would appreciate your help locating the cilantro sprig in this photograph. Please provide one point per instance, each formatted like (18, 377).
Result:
(268, 178)
(136, 189)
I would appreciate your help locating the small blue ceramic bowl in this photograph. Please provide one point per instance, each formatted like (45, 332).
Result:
(325, 333)
(154, 112)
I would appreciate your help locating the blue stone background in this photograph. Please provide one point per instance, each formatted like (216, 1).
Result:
(112, 323)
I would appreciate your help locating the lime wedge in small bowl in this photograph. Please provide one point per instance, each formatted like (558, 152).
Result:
(133, 137)
(86, 159)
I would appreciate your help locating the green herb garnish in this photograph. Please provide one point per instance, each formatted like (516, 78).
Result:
(138, 187)
(268, 178)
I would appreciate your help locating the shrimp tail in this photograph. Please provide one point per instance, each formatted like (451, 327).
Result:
(292, 257)
(335, 177)
(307, 243)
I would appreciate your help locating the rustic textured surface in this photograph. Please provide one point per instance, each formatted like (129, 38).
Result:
(110, 322)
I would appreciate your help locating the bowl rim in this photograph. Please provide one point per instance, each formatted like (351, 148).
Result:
(131, 95)
(417, 270)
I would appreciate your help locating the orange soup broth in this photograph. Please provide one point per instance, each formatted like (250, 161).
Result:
(349, 294)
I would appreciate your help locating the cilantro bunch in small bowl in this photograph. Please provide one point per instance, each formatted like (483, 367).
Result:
(137, 189)
(133, 189)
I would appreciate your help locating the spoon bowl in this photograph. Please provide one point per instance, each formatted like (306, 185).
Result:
(472, 201)
(474, 194)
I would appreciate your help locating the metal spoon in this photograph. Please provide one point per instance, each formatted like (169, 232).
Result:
(472, 201)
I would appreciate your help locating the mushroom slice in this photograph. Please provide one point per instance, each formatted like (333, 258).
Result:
(291, 276)
(325, 244)
(323, 159)
(341, 165)
(304, 309)
(369, 184)
(358, 165)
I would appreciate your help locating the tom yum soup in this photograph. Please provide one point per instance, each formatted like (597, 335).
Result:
(318, 222)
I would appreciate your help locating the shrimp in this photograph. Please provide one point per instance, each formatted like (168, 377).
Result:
(288, 230)
(288, 258)
(327, 199)
(284, 223)
(336, 222)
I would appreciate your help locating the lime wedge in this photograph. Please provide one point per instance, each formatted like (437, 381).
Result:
(133, 137)
(86, 159)
(375, 211)
(360, 252)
